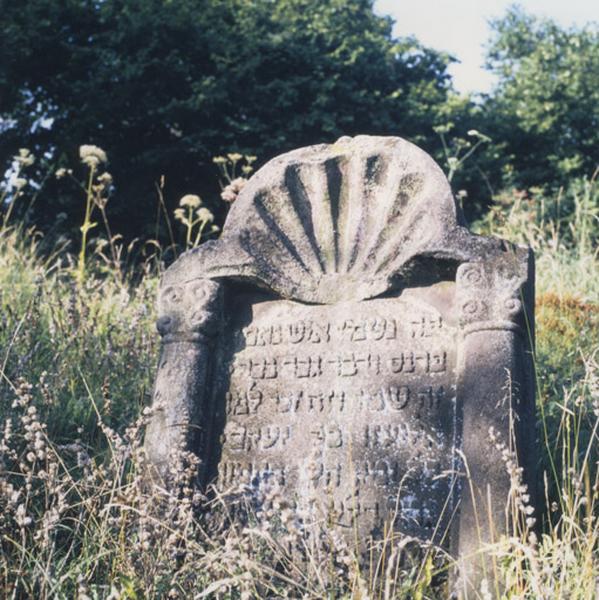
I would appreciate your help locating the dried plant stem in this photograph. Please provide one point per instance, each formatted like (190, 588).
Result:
(87, 224)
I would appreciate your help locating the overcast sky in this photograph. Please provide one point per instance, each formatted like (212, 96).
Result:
(460, 27)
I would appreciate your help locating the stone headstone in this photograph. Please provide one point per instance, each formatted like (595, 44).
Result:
(350, 341)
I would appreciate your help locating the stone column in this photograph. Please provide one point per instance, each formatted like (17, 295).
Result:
(496, 396)
(189, 320)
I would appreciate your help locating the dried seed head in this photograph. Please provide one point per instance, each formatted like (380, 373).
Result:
(190, 200)
(205, 215)
(91, 155)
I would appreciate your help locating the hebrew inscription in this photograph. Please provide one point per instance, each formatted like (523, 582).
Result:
(349, 408)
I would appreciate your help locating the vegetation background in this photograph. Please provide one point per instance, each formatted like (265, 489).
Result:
(126, 129)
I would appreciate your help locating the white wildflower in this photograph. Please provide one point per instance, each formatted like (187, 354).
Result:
(479, 135)
(91, 155)
(25, 158)
(228, 196)
(442, 129)
(62, 172)
(205, 215)
(21, 516)
(190, 200)
(105, 179)
(230, 193)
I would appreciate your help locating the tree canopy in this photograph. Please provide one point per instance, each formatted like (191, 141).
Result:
(545, 109)
(164, 85)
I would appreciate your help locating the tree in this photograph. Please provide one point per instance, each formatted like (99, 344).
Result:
(164, 85)
(545, 108)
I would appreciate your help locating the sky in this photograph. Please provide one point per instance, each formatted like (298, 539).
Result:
(460, 27)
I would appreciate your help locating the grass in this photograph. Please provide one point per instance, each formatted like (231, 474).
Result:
(77, 356)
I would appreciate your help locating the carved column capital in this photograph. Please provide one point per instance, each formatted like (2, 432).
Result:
(489, 294)
(189, 321)
(189, 311)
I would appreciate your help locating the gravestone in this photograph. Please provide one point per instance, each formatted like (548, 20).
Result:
(349, 340)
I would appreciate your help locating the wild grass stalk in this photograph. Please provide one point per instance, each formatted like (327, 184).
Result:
(78, 520)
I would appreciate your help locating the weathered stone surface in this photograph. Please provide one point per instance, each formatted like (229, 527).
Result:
(348, 339)
(342, 404)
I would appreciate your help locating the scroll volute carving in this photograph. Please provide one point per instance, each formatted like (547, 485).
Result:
(189, 319)
(189, 311)
(490, 292)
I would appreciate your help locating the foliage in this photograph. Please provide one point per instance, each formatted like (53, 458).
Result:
(76, 518)
(563, 229)
(76, 339)
(544, 112)
(163, 86)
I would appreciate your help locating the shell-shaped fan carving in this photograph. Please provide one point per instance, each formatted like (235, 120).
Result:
(336, 222)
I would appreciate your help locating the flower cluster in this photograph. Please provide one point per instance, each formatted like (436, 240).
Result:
(92, 156)
(13, 189)
(190, 201)
(231, 182)
(24, 158)
(195, 218)
(63, 172)
(232, 190)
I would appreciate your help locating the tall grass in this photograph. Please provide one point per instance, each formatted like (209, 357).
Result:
(77, 355)
(563, 230)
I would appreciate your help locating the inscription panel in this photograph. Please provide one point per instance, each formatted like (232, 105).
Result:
(349, 408)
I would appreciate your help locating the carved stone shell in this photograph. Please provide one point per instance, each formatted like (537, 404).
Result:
(336, 222)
